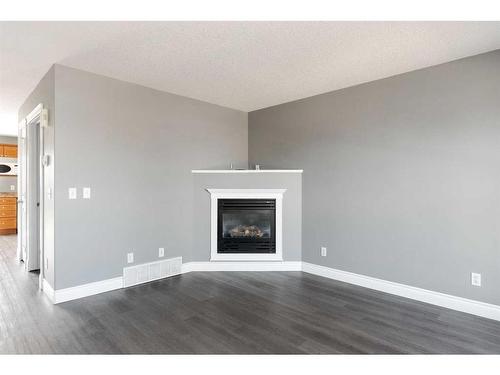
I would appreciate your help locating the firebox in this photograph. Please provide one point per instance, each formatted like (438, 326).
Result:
(246, 226)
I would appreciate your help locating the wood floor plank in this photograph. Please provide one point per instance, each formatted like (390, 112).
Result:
(231, 312)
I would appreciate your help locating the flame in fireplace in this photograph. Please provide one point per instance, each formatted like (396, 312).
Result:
(246, 231)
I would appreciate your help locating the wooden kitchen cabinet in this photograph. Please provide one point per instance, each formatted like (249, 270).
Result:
(9, 151)
(8, 214)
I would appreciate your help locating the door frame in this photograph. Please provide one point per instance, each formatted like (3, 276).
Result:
(20, 198)
(37, 117)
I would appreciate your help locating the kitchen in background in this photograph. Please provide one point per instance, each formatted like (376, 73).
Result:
(8, 185)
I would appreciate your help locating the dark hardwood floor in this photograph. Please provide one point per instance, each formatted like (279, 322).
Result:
(231, 312)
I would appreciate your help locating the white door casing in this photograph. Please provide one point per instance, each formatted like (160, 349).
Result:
(21, 188)
(30, 182)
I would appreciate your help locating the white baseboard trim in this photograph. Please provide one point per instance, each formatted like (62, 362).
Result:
(85, 290)
(478, 308)
(48, 290)
(483, 309)
(241, 266)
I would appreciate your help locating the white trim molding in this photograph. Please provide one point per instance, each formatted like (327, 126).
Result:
(247, 171)
(465, 305)
(216, 194)
(48, 290)
(36, 112)
(483, 309)
(241, 266)
(90, 289)
(85, 290)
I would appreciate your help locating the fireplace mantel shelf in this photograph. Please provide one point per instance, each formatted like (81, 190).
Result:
(246, 171)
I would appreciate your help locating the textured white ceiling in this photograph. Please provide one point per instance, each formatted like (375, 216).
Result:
(242, 65)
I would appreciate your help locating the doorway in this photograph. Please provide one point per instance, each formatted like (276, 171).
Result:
(30, 187)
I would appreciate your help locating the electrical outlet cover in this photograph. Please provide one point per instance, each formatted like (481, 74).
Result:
(161, 252)
(130, 258)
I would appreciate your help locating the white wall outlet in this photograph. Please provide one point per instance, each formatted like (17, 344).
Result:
(475, 279)
(72, 193)
(323, 251)
(86, 193)
(130, 257)
(161, 252)
(12, 187)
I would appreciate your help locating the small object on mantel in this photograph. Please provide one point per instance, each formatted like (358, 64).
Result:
(257, 167)
(231, 166)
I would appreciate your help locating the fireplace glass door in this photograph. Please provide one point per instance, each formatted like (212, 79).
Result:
(246, 226)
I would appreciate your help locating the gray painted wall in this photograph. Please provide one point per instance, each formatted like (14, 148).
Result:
(6, 182)
(292, 206)
(8, 139)
(135, 147)
(44, 94)
(401, 176)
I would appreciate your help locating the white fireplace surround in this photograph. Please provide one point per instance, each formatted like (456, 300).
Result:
(217, 194)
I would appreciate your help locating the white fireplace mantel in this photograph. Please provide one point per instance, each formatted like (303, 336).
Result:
(217, 194)
(237, 171)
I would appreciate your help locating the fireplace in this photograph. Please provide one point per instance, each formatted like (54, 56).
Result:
(246, 226)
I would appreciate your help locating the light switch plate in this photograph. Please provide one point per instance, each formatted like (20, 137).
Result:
(12, 187)
(130, 257)
(72, 193)
(86, 193)
(323, 251)
(475, 279)
(161, 252)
